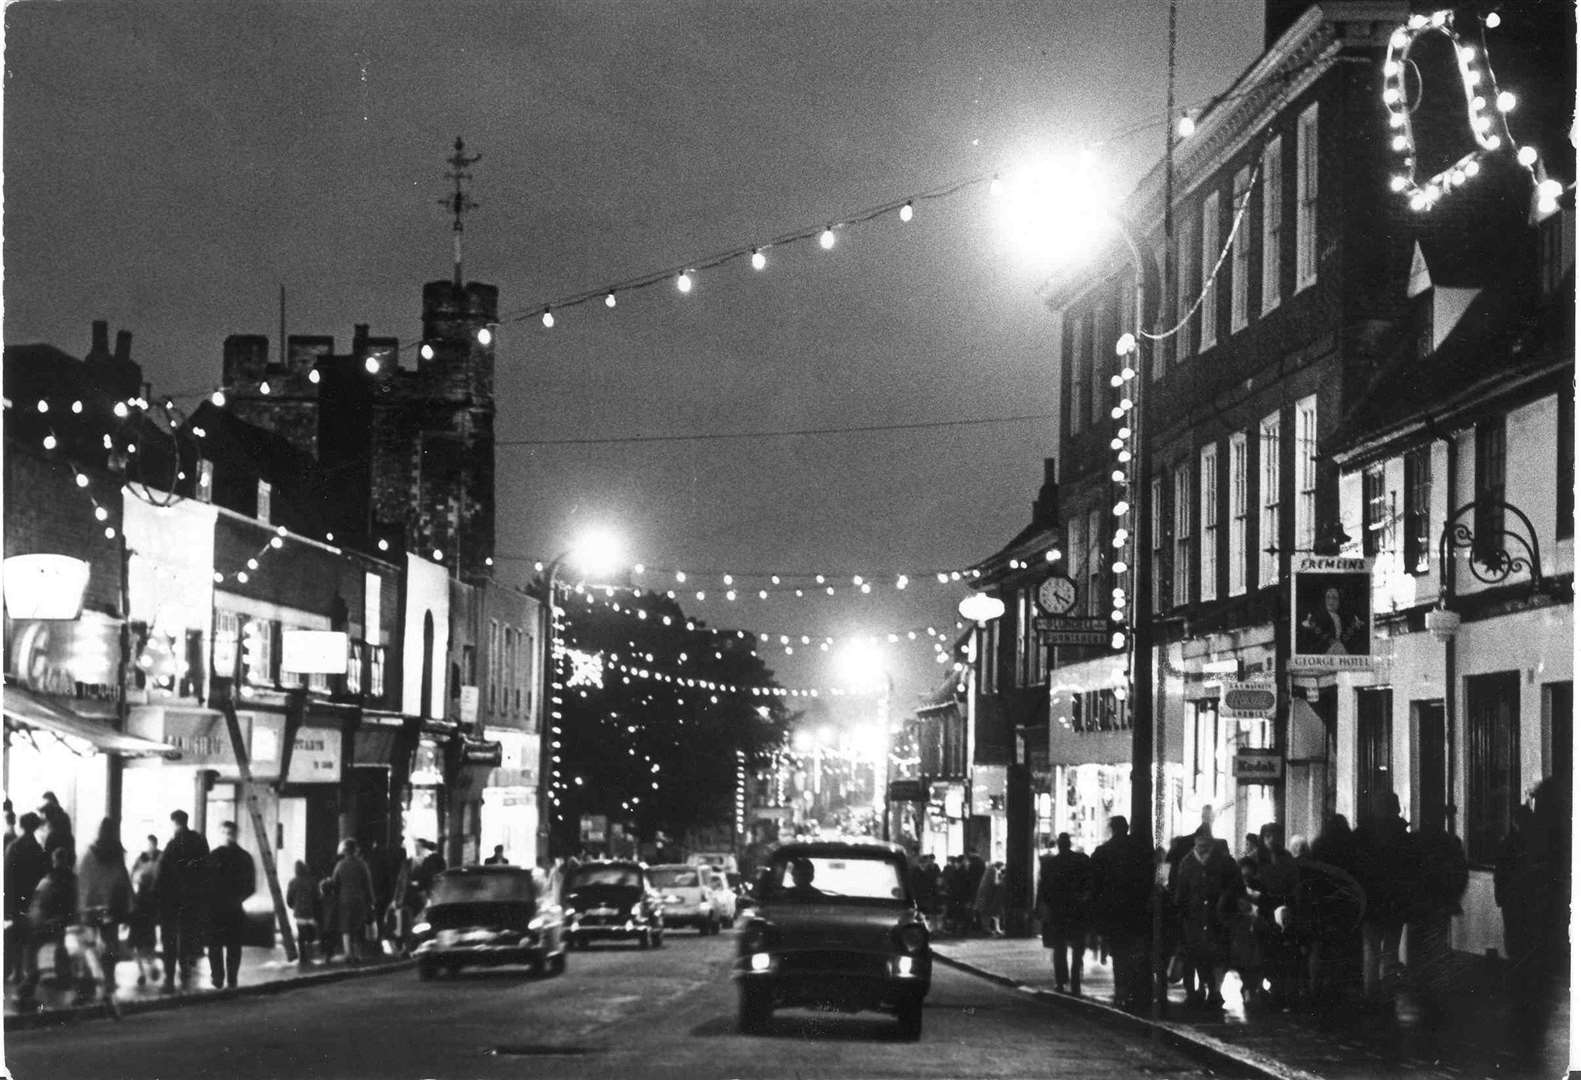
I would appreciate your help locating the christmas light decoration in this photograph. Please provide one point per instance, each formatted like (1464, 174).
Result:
(1489, 130)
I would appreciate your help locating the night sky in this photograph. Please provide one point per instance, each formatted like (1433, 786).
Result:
(170, 166)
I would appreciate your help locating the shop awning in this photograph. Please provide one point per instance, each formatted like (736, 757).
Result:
(26, 709)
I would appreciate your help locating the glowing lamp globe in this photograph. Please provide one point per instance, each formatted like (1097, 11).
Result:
(44, 586)
(981, 608)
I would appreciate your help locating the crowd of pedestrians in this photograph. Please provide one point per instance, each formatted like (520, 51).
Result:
(178, 903)
(1357, 915)
(966, 895)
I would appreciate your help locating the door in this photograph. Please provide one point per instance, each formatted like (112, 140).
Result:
(1427, 720)
(1374, 752)
(1493, 759)
(1559, 761)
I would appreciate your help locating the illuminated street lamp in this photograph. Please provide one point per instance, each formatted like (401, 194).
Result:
(595, 552)
(864, 665)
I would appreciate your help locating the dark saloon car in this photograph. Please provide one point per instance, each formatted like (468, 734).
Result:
(835, 928)
(612, 900)
(485, 916)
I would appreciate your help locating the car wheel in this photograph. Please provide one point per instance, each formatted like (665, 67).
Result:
(646, 941)
(910, 1016)
(557, 963)
(426, 971)
(755, 1008)
(535, 968)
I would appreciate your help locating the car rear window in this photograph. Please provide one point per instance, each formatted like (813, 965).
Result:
(674, 879)
(604, 875)
(482, 888)
(841, 876)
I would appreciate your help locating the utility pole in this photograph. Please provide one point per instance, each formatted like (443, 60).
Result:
(459, 201)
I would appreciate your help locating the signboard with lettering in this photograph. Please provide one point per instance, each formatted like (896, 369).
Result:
(907, 791)
(594, 828)
(469, 705)
(1072, 629)
(75, 659)
(1251, 700)
(1331, 614)
(315, 756)
(1258, 766)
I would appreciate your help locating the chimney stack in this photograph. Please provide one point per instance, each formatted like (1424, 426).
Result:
(101, 340)
(123, 347)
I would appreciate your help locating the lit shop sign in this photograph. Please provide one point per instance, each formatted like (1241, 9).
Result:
(1248, 700)
(1258, 766)
(1331, 614)
(44, 586)
(480, 752)
(313, 652)
(69, 659)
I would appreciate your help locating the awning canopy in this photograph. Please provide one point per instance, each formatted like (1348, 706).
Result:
(26, 709)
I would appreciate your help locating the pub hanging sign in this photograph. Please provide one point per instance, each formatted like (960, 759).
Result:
(1331, 614)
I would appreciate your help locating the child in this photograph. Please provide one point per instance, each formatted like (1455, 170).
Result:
(301, 896)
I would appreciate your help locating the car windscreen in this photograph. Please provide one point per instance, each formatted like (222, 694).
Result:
(842, 876)
(482, 889)
(585, 876)
(676, 878)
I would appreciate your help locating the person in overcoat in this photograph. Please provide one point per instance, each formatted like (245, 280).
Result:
(353, 899)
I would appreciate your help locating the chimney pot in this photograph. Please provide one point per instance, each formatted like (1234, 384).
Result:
(123, 346)
(101, 337)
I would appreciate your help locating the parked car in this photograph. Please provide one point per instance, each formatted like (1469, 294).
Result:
(612, 900)
(690, 897)
(835, 928)
(486, 916)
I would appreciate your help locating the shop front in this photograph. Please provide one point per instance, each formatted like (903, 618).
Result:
(1089, 750)
(510, 797)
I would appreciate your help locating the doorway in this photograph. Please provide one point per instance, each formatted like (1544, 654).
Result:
(1427, 723)
(1374, 753)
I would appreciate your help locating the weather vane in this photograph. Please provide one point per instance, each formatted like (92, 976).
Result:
(460, 201)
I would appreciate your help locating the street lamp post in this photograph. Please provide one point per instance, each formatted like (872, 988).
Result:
(546, 713)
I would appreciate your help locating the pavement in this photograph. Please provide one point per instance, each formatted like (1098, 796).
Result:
(1471, 1032)
(263, 971)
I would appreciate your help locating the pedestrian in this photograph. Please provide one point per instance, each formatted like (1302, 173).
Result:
(954, 881)
(10, 825)
(1206, 893)
(233, 878)
(143, 922)
(54, 908)
(301, 896)
(1064, 891)
(1250, 928)
(353, 899)
(104, 902)
(498, 858)
(991, 899)
(1386, 870)
(1281, 882)
(1121, 909)
(975, 869)
(1331, 907)
(25, 866)
(1442, 875)
(181, 885)
(57, 827)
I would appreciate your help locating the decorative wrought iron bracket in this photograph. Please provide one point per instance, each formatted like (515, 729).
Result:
(1493, 559)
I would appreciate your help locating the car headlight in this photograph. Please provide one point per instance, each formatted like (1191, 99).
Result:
(538, 923)
(672, 899)
(761, 961)
(421, 928)
(902, 965)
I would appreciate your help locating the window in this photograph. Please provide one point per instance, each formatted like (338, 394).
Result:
(988, 673)
(494, 664)
(1095, 384)
(1493, 736)
(354, 668)
(1210, 256)
(1183, 534)
(265, 493)
(376, 670)
(1023, 618)
(1241, 253)
(1565, 495)
(1206, 739)
(1156, 353)
(205, 488)
(1418, 509)
(1306, 197)
(1186, 284)
(1268, 536)
(1238, 511)
(1306, 473)
(371, 606)
(1081, 366)
(1076, 549)
(1489, 478)
(1273, 222)
(1208, 513)
(507, 673)
(1071, 365)
(1553, 260)
(1375, 510)
(1156, 547)
(1095, 591)
(227, 631)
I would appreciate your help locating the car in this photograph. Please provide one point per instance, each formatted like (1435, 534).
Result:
(721, 895)
(488, 916)
(611, 900)
(690, 897)
(835, 928)
(719, 860)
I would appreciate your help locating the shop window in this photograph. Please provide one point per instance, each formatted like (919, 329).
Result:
(1418, 509)
(1493, 760)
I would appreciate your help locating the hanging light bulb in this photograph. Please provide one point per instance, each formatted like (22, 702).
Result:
(759, 260)
(1186, 126)
(485, 335)
(906, 212)
(218, 398)
(49, 441)
(121, 411)
(1527, 156)
(1492, 20)
(1118, 476)
(82, 481)
(684, 281)
(609, 299)
(263, 388)
(314, 377)
(826, 238)
(548, 319)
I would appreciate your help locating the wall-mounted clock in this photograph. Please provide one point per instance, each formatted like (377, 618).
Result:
(1057, 595)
